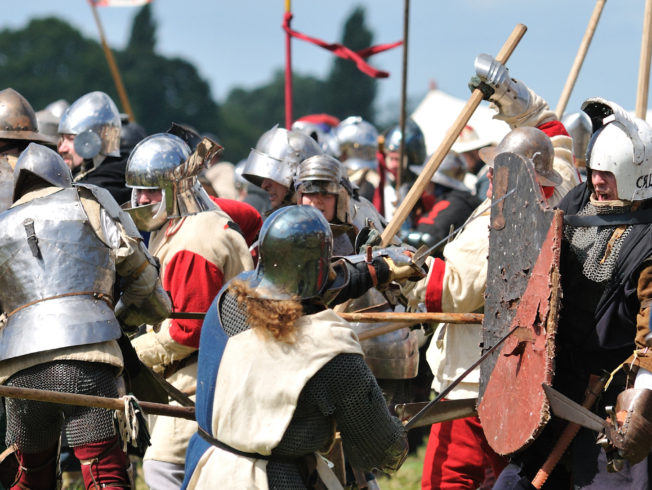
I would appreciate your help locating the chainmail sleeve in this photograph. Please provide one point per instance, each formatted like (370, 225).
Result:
(346, 389)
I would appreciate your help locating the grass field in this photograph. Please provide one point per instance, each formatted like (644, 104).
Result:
(408, 477)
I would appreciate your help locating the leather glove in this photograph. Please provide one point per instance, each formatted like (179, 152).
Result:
(157, 349)
(400, 264)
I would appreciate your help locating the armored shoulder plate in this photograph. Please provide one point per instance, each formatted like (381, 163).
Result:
(113, 209)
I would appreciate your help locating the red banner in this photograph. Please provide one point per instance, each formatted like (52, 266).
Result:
(342, 51)
(118, 3)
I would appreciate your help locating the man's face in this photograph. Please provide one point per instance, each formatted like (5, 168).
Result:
(392, 161)
(66, 149)
(473, 161)
(604, 185)
(323, 201)
(148, 196)
(275, 191)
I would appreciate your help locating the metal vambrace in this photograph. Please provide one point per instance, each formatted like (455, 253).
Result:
(634, 415)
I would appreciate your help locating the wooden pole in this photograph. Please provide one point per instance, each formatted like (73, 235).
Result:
(401, 214)
(401, 169)
(113, 66)
(579, 58)
(403, 323)
(596, 384)
(405, 317)
(288, 71)
(644, 64)
(94, 401)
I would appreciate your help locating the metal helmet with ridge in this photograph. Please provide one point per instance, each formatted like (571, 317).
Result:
(622, 145)
(95, 121)
(18, 119)
(45, 164)
(358, 143)
(415, 143)
(277, 155)
(530, 143)
(295, 249)
(157, 162)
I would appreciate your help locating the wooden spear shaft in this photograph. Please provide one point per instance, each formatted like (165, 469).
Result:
(437, 157)
(644, 64)
(402, 317)
(288, 71)
(115, 73)
(94, 401)
(397, 325)
(579, 58)
(401, 119)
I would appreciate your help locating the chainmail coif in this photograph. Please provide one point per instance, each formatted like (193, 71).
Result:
(344, 391)
(589, 243)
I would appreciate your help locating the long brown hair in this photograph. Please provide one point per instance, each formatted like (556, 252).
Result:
(269, 316)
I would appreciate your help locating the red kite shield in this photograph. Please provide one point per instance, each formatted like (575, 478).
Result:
(514, 408)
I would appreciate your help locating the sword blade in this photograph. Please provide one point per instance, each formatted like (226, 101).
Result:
(565, 408)
(442, 412)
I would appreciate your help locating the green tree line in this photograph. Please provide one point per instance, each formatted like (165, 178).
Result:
(49, 59)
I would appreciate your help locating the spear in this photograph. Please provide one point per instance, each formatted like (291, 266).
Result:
(115, 73)
(644, 63)
(94, 401)
(579, 58)
(408, 317)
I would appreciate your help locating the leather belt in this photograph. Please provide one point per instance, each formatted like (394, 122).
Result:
(280, 459)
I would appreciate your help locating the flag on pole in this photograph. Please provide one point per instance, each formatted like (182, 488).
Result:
(118, 3)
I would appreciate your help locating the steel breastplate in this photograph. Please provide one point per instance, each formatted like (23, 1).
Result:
(56, 278)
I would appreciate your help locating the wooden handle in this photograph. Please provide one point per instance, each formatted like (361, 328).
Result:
(406, 317)
(644, 64)
(596, 384)
(94, 401)
(453, 132)
(579, 58)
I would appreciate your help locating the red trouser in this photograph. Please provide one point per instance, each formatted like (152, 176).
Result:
(457, 456)
(104, 465)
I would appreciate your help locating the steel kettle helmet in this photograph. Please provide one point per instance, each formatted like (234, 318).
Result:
(95, 121)
(157, 162)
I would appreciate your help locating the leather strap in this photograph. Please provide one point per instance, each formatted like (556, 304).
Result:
(210, 439)
(641, 217)
(104, 297)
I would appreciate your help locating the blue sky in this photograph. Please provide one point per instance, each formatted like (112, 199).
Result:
(240, 43)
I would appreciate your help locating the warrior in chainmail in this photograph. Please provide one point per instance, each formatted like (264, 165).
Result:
(394, 357)
(279, 372)
(606, 279)
(62, 249)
